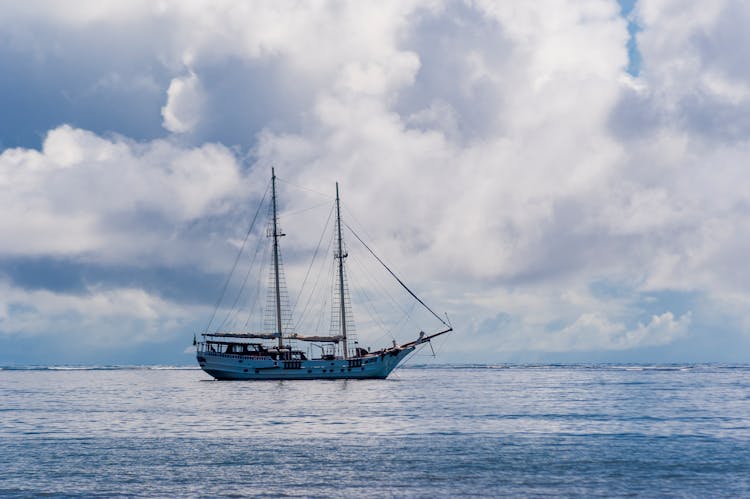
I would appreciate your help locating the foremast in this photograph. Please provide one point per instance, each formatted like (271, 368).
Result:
(340, 257)
(276, 236)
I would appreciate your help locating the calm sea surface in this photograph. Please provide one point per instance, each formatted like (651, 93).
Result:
(434, 431)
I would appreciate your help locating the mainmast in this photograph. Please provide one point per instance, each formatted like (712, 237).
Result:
(340, 256)
(276, 236)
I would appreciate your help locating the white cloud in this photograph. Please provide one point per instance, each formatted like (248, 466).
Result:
(96, 318)
(497, 152)
(487, 196)
(692, 65)
(182, 112)
(592, 331)
(732, 91)
(83, 194)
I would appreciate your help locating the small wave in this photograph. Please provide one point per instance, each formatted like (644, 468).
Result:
(99, 368)
(454, 366)
(582, 366)
(467, 366)
(172, 368)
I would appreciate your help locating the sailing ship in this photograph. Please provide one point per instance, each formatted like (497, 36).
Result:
(276, 354)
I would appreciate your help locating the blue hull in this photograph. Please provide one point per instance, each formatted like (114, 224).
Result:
(238, 367)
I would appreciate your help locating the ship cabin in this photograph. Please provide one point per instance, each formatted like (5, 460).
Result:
(237, 344)
(256, 351)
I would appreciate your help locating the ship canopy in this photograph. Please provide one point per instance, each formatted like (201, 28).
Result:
(270, 336)
(317, 339)
(258, 336)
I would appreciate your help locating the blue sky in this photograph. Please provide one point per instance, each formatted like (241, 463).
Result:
(567, 180)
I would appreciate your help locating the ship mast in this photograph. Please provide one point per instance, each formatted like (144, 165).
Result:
(340, 256)
(276, 258)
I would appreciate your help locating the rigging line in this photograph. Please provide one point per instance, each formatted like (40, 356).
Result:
(303, 314)
(359, 224)
(237, 259)
(304, 188)
(395, 276)
(302, 210)
(377, 284)
(376, 323)
(407, 314)
(409, 319)
(333, 294)
(233, 311)
(315, 254)
(404, 312)
(284, 292)
(331, 291)
(403, 319)
(411, 356)
(368, 302)
(321, 313)
(256, 295)
(439, 348)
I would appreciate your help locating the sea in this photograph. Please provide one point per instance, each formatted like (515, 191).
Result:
(426, 431)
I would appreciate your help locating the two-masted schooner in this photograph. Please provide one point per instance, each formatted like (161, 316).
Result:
(273, 355)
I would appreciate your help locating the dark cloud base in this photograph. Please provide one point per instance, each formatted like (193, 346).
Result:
(185, 285)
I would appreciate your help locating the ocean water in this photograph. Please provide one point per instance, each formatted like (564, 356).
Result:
(584, 430)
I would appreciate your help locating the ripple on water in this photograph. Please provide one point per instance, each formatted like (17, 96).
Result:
(437, 431)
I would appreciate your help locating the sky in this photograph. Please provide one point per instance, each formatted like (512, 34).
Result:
(567, 180)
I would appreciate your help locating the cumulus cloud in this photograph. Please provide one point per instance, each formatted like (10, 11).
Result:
(97, 318)
(685, 129)
(593, 331)
(111, 198)
(182, 111)
(500, 153)
(492, 194)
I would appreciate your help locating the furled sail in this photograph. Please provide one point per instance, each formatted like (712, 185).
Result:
(318, 339)
(262, 336)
